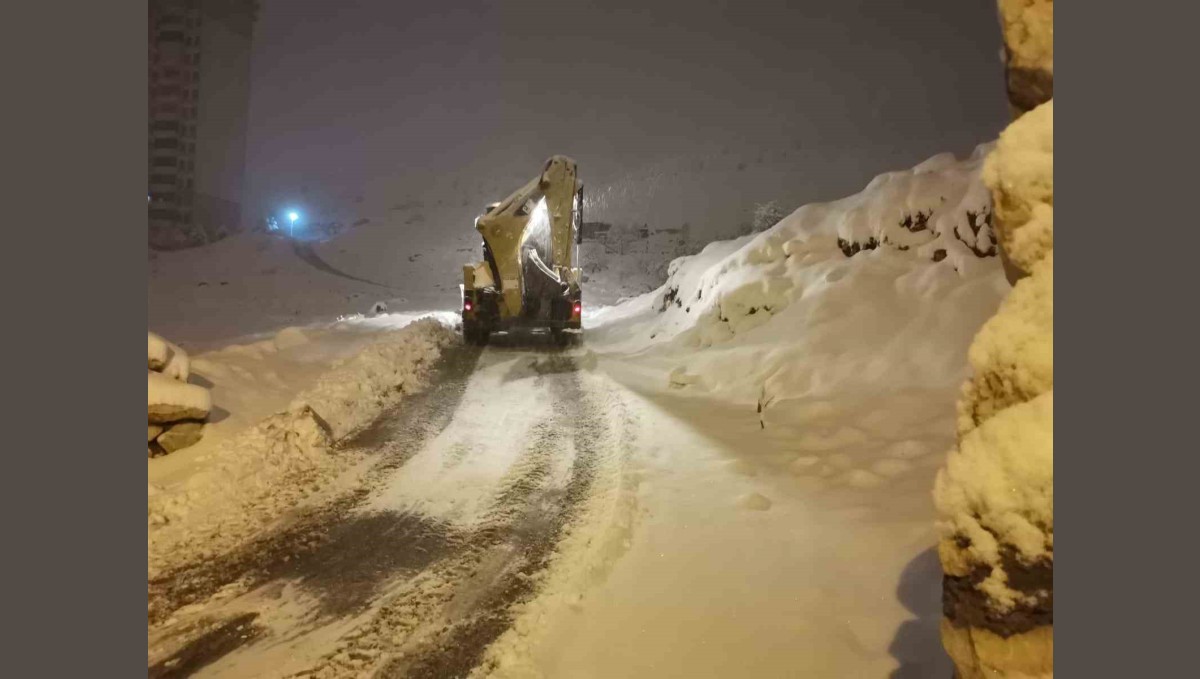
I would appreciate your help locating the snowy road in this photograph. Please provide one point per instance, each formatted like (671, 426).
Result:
(414, 571)
(731, 477)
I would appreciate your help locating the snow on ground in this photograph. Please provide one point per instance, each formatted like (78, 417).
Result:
(278, 405)
(437, 484)
(786, 316)
(207, 297)
(795, 404)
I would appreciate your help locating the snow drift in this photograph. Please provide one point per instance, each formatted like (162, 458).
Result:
(882, 290)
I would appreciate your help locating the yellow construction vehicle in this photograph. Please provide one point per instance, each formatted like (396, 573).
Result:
(528, 277)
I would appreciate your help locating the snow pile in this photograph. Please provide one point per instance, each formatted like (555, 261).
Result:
(355, 389)
(996, 495)
(880, 290)
(253, 477)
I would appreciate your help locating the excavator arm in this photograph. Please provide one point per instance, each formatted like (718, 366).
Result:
(530, 236)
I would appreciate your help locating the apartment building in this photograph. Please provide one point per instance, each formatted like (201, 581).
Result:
(199, 80)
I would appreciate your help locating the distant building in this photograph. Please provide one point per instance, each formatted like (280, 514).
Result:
(199, 80)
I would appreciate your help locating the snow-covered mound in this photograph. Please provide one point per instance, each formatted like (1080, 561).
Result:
(880, 291)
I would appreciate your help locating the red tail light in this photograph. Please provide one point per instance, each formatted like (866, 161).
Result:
(467, 305)
(577, 308)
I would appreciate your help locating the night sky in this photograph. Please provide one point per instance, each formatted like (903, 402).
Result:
(389, 99)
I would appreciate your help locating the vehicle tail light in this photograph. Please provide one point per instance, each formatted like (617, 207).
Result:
(577, 308)
(467, 305)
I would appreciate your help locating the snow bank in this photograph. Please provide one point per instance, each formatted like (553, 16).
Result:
(352, 392)
(252, 478)
(881, 290)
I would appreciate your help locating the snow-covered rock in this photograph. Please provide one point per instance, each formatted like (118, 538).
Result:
(995, 496)
(157, 351)
(170, 400)
(1020, 174)
(1028, 29)
(1013, 355)
(167, 358)
(180, 435)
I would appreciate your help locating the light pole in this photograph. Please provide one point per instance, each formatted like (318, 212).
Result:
(292, 230)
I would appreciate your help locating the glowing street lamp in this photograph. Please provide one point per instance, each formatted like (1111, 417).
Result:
(293, 217)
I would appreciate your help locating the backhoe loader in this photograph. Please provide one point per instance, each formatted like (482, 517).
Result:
(529, 278)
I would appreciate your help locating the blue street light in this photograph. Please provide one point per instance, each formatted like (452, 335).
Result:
(293, 217)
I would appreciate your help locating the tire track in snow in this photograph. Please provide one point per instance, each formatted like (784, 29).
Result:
(539, 517)
(309, 256)
(443, 624)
